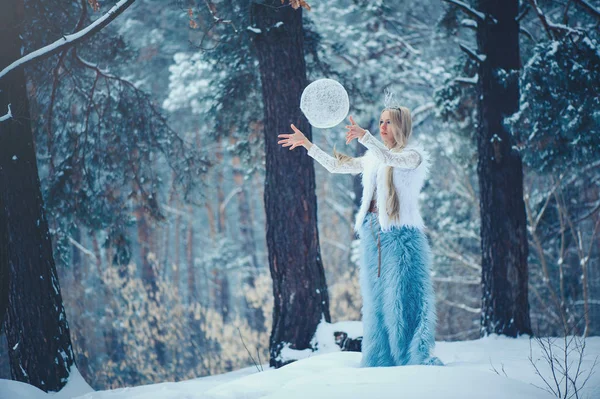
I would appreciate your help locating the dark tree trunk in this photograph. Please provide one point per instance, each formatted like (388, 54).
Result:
(220, 192)
(246, 223)
(3, 255)
(149, 273)
(505, 309)
(299, 286)
(190, 257)
(39, 343)
(150, 279)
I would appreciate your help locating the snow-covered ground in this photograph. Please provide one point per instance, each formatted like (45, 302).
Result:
(468, 373)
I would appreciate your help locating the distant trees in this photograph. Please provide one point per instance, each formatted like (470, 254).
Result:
(40, 347)
(299, 287)
(557, 129)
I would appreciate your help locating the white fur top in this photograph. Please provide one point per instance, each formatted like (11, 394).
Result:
(410, 169)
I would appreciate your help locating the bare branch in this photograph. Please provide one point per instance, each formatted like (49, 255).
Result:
(542, 18)
(534, 364)
(589, 8)
(460, 335)
(453, 280)
(455, 254)
(549, 26)
(462, 306)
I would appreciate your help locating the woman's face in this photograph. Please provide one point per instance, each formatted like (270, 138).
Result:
(385, 129)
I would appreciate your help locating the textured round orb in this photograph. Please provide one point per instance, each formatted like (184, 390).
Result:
(325, 103)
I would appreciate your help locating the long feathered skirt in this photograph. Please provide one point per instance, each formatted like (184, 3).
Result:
(399, 305)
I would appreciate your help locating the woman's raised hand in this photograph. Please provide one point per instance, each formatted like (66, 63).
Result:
(294, 140)
(354, 131)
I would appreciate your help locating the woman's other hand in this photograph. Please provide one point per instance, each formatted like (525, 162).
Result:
(354, 131)
(294, 140)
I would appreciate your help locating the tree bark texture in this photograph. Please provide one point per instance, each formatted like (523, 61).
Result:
(39, 344)
(505, 308)
(299, 287)
(190, 258)
(150, 278)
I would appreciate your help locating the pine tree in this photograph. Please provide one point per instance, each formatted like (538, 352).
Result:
(504, 248)
(299, 287)
(36, 327)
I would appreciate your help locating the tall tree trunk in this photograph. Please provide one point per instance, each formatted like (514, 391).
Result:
(505, 309)
(299, 287)
(3, 255)
(39, 342)
(150, 279)
(190, 257)
(246, 224)
(220, 190)
(149, 276)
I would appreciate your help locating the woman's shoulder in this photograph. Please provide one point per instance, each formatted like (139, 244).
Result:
(419, 148)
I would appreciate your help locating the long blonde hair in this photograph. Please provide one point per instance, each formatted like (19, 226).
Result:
(401, 130)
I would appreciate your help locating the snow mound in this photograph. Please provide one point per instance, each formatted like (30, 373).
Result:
(75, 387)
(338, 375)
(491, 367)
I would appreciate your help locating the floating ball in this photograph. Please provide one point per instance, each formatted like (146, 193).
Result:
(325, 103)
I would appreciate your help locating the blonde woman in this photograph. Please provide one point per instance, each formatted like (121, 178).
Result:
(398, 302)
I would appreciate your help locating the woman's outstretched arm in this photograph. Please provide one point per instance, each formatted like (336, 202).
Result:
(332, 164)
(406, 159)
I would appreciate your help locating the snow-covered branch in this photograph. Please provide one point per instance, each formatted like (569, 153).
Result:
(233, 192)
(82, 248)
(478, 15)
(469, 23)
(7, 116)
(467, 80)
(422, 113)
(549, 26)
(542, 18)
(69, 40)
(479, 58)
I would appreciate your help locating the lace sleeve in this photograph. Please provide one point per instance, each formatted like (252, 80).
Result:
(332, 164)
(407, 159)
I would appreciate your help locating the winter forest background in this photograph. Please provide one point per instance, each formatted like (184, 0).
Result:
(151, 154)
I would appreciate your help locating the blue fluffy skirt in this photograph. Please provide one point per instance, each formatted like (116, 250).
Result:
(399, 306)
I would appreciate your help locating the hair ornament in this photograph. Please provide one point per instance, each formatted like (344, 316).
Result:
(390, 100)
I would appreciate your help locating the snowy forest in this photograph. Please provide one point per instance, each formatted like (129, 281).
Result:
(152, 230)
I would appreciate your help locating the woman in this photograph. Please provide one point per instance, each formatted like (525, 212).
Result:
(398, 302)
